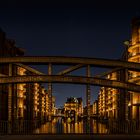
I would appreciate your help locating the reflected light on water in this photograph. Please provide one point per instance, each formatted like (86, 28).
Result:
(59, 126)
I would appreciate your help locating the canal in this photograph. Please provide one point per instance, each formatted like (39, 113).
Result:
(58, 126)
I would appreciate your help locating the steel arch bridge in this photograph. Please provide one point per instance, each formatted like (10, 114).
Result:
(62, 77)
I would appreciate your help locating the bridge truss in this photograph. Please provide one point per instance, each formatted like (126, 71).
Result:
(63, 77)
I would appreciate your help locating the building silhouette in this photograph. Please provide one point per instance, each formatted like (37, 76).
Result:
(28, 101)
(134, 56)
(73, 108)
(119, 104)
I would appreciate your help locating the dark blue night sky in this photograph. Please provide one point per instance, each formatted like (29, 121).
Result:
(68, 29)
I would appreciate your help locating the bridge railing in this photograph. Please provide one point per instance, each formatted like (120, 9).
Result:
(3, 127)
(19, 127)
(123, 127)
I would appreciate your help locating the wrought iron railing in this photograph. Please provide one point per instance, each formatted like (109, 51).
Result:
(123, 127)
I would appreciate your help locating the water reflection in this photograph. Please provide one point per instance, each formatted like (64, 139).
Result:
(58, 126)
(73, 127)
(99, 127)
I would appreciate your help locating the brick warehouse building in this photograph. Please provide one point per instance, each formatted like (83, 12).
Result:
(119, 104)
(29, 101)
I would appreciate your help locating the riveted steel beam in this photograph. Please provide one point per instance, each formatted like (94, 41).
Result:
(88, 92)
(66, 71)
(107, 72)
(70, 79)
(10, 102)
(50, 91)
(29, 69)
(39, 60)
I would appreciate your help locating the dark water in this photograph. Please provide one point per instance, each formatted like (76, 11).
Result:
(59, 126)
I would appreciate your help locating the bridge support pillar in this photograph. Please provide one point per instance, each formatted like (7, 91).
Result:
(50, 92)
(126, 96)
(123, 108)
(10, 102)
(88, 101)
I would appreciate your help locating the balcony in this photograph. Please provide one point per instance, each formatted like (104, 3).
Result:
(132, 56)
(130, 49)
(132, 78)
